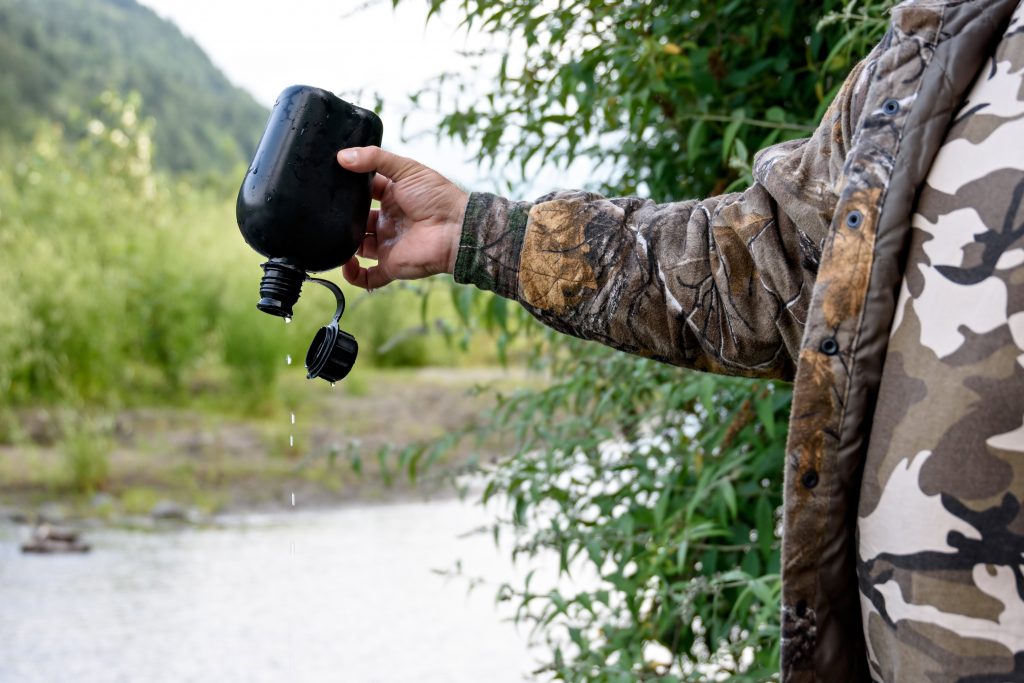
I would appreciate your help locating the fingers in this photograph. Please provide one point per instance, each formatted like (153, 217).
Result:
(380, 230)
(365, 159)
(350, 270)
(368, 247)
(380, 183)
(370, 278)
(371, 220)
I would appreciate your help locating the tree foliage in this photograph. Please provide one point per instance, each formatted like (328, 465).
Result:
(660, 487)
(671, 98)
(100, 314)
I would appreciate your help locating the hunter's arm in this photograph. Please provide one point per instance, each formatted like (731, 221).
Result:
(721, 284)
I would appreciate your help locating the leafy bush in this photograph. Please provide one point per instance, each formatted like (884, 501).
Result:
(121, 281)
(108, 273)
(664, 484)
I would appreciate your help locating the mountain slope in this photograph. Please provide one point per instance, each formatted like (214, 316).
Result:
(59, 55)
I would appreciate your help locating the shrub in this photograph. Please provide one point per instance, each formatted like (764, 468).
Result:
(663, 484)
(122, 281)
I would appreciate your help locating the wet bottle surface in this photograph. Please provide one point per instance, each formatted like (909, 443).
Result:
(296, 205)
(303, 211)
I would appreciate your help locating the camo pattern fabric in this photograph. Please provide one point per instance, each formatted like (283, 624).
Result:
(799, 274)
(721, 285)
(941, 527)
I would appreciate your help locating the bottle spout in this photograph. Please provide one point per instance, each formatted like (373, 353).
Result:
(333, 352)
(280, 287)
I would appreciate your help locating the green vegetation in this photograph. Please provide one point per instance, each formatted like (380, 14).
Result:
(99, 314)
(127, 286)
(665, 484)
(127, 283)
(59, 55)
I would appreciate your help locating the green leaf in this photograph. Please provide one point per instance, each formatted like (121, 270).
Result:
(751, 563)
(695, 141)
(729, 496)
(681, 553)
(765, 517)
(463, 298)
(731, 130)
(766, 415)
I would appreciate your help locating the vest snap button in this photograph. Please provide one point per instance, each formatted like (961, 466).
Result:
(829, 346)
(891, 107)
(854, 219)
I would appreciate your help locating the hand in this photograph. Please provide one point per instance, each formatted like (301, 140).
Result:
(415, 232)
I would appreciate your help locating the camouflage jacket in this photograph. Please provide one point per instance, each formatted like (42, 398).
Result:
(798, 277)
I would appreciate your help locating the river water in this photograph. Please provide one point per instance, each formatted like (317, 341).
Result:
(347, 595)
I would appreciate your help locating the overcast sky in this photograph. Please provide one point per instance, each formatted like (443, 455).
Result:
(265, 46)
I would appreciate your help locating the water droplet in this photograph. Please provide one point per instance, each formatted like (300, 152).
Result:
(293, 498)
(332, 385)
(269, 198)
(288, 359)
(291, 439)
(287, 321)
(293, 418)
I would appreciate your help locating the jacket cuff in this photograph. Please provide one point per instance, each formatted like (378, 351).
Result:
(491, 244)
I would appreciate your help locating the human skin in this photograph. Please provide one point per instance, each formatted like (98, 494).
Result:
(415, 232)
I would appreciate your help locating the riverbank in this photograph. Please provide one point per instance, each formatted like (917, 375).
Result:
(319, 444)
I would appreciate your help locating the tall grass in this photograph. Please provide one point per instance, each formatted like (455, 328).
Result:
(120, 285)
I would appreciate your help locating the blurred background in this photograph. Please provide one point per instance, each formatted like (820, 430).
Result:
(481, 500)
(143, 398)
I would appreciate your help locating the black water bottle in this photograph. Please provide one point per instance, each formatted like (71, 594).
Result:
(297, 206)
(306, 213)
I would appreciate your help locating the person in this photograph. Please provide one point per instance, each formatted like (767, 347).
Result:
(878, 264)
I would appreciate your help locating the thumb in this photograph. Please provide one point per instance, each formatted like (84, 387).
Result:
(365, 159)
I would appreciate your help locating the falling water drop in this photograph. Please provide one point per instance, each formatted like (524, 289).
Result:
(288, 359)
(293, 418)
(287, 321)
(332, 385)
(293, 498)
(291, 439)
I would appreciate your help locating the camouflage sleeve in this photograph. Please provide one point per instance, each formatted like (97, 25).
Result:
(721, 284)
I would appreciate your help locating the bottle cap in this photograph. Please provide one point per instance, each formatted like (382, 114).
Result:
(332, 354)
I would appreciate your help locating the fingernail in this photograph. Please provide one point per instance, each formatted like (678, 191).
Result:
(349, 156)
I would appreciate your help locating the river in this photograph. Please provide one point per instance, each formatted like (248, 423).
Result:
(345, 596)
